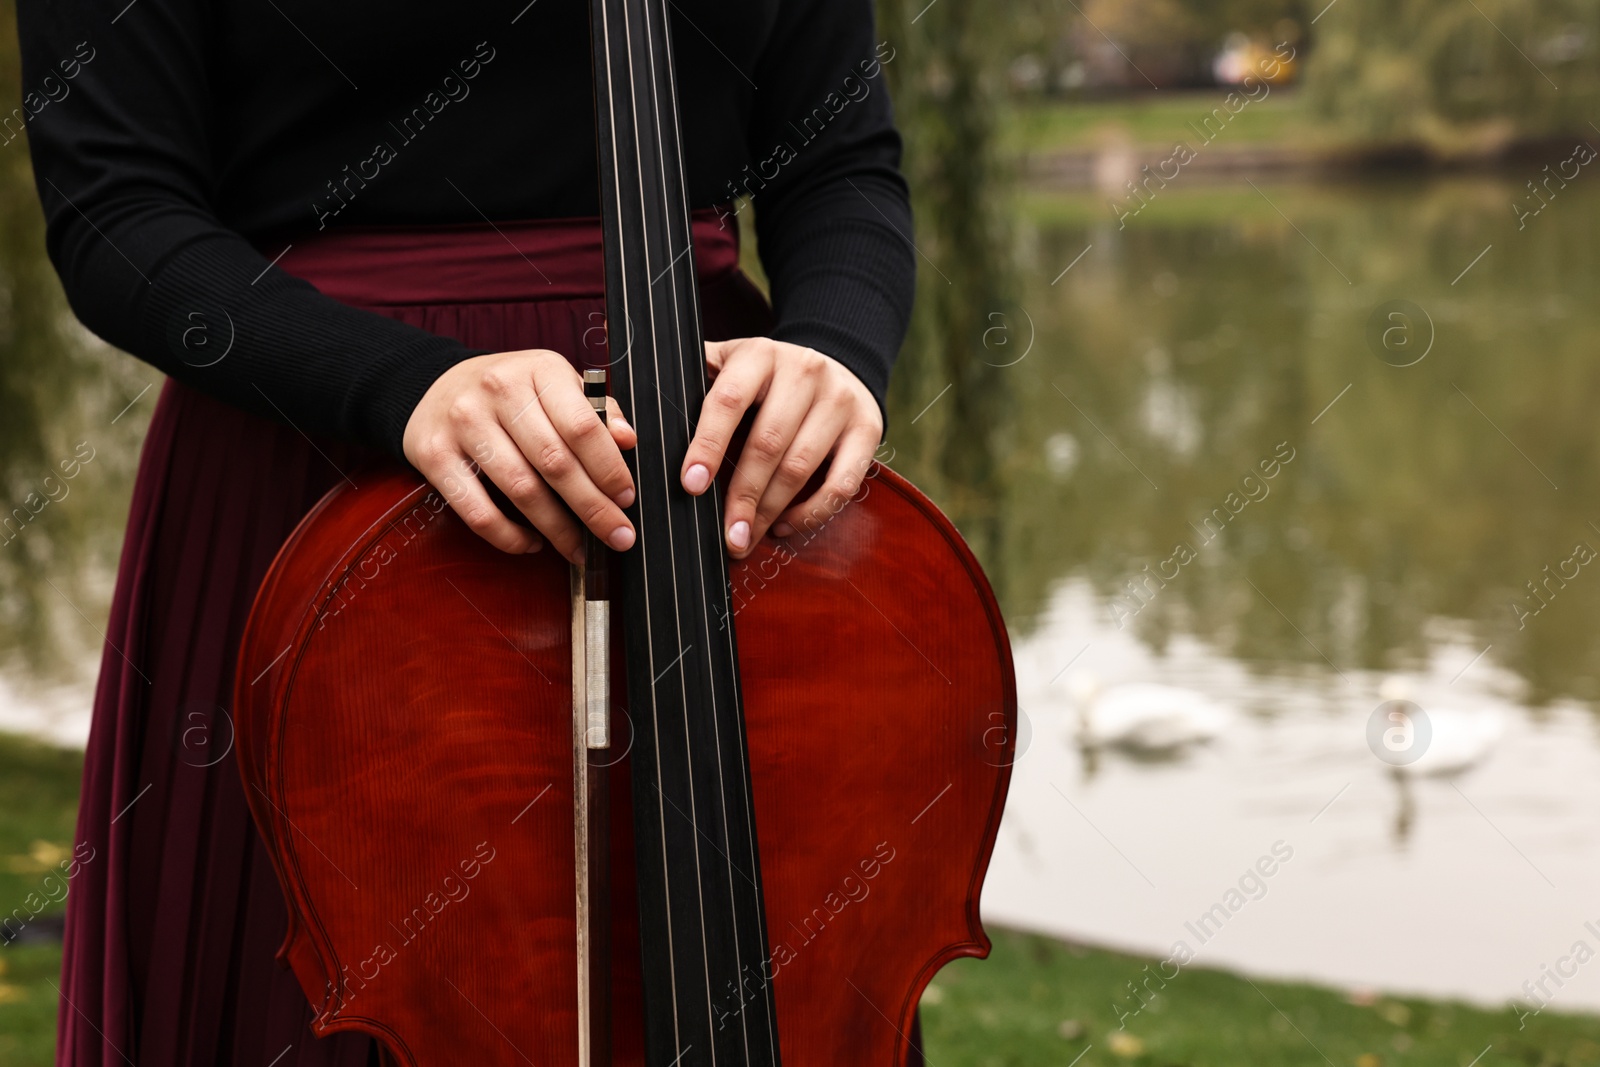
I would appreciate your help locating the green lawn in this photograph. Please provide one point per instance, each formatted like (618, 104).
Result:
(28, 1004)
(38, 806)
(1161, 119)
(1036, 1001)
(38, 809)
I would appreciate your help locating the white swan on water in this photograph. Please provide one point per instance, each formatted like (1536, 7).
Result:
(1458, 739)
(1144, 717)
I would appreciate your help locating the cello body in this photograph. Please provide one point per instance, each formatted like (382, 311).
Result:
(404, 710)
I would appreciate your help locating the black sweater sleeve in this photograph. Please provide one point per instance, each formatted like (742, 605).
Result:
(130, 180)
(833, 215)
(124, 172)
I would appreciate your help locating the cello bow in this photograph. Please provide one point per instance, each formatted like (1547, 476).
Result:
(591, 765)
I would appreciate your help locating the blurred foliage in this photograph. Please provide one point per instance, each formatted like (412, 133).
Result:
(1176, 39)
(948, 408)
(59, 387)
(1464, 78)
(1056, 45)
(1459, 76)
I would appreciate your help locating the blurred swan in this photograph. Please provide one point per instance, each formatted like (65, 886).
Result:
(1144, 717)
(1459, 739)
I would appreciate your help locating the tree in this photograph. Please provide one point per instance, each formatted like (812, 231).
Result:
(1458, 76)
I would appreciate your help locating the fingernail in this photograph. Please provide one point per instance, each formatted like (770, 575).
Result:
(697, 478)
(739, 535)
(782, 529)
(622, 422)
(625, 497)
(536, 546)
(621, 538)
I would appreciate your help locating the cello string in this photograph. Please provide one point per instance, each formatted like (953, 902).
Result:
(633, 407)
(661, 421)
(686, 373)
(697, 372)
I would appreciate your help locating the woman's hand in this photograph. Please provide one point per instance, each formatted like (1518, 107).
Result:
(811, 407)
(522, 418)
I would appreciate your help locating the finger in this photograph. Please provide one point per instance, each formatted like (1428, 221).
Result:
(774, 431)
(852, 461)
(811, 445)
(717, 354)
(585, 436)
(557, 462)
(622, 431)
(742, 382)
(453, 475)
(511, 473)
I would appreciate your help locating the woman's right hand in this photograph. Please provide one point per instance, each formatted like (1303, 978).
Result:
(522, 418)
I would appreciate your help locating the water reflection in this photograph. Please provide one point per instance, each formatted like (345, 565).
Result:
(1181, 359)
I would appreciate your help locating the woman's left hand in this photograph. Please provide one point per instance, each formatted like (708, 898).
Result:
(811, 407)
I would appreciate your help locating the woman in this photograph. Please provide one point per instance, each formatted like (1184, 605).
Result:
(201, 165)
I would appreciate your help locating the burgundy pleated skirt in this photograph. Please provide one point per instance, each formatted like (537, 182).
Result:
(174, 922)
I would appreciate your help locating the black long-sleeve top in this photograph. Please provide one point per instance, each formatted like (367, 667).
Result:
(170, 138)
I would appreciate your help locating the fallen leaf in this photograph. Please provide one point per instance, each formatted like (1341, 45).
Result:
(48, 854)
(42, 856)
(1124, 1044)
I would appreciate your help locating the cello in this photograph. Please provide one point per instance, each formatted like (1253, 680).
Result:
(658, 809)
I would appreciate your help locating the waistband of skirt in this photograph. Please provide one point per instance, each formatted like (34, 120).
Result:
(482, 263)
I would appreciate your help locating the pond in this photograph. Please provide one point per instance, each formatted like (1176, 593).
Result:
(1297, 451)
(1294, 451)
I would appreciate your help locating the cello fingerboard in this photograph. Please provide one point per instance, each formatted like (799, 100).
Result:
(707, 992)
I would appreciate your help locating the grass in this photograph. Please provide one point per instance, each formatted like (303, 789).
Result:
(38, 807)
(1038, 1001)
(1161, 119)
(28, 1004)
